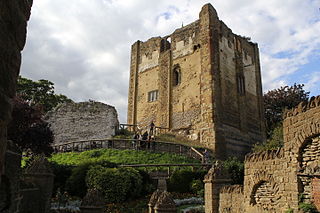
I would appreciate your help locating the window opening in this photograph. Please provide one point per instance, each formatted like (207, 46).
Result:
(153, 96)
(165, 44)
(241, 84)
(176, 80)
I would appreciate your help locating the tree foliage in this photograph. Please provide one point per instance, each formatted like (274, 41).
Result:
(235, 169)
(277, 100)
(274, 142)
(40, 93)
(27, 129)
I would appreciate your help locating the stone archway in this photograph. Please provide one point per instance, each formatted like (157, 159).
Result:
(265, 195)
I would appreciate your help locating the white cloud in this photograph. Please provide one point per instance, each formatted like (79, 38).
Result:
(84, 46)
(312, 83)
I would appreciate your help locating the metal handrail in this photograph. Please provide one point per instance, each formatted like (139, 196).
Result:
(165, 165)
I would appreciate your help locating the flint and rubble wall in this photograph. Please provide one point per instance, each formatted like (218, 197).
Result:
(82, 121)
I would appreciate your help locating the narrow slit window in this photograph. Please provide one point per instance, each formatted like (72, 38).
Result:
(241, 85)
(153, 96)
(176, 80)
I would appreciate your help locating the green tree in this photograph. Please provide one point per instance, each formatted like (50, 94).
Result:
(277, 100)
(27, 129)
(40, 93)
(274, 142)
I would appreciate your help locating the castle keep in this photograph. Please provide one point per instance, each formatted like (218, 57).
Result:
(202, 81)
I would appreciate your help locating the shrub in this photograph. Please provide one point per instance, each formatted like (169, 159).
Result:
(308, 208)
(123, 133)
(61, 175)
(236, 170)
(274, 142)
(180, 180)
(289, 210)
(197, 187)
(117, 185)
(95, 153)
(148, 185)
(76, 184)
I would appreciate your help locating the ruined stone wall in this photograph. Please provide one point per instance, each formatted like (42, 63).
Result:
(14, 15)
(205, 103)
(278, 180)
(82, 121)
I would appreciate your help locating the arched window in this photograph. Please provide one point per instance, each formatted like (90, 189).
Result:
(176, 78)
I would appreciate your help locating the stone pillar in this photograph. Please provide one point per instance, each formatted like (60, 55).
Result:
(214, 181)
(162, 177)
(40, 174)
(165, 203)
(93, 202)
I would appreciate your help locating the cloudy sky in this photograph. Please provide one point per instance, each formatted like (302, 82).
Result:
(84, 46)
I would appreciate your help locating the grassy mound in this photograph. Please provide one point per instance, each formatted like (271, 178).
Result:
(119, 157)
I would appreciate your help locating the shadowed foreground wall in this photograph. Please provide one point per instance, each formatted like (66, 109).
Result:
(14, 15)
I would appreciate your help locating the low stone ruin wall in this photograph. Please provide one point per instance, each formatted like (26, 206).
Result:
(82, 121)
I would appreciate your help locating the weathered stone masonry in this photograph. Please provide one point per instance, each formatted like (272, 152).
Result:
(14, 15)
(82, 121)
(274, 180)
(202, 81)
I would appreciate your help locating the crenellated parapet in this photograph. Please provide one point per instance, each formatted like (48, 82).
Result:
(303, 107)
(231, 199)
(265, 155)
(301, 124)
(232, 189)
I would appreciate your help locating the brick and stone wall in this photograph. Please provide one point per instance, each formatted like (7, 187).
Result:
(82, 121)
(316, 191)
(14, 15)
(278, 180)
(269, 182)
(231, 199)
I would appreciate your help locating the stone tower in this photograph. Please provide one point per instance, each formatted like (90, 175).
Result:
(202, 81)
